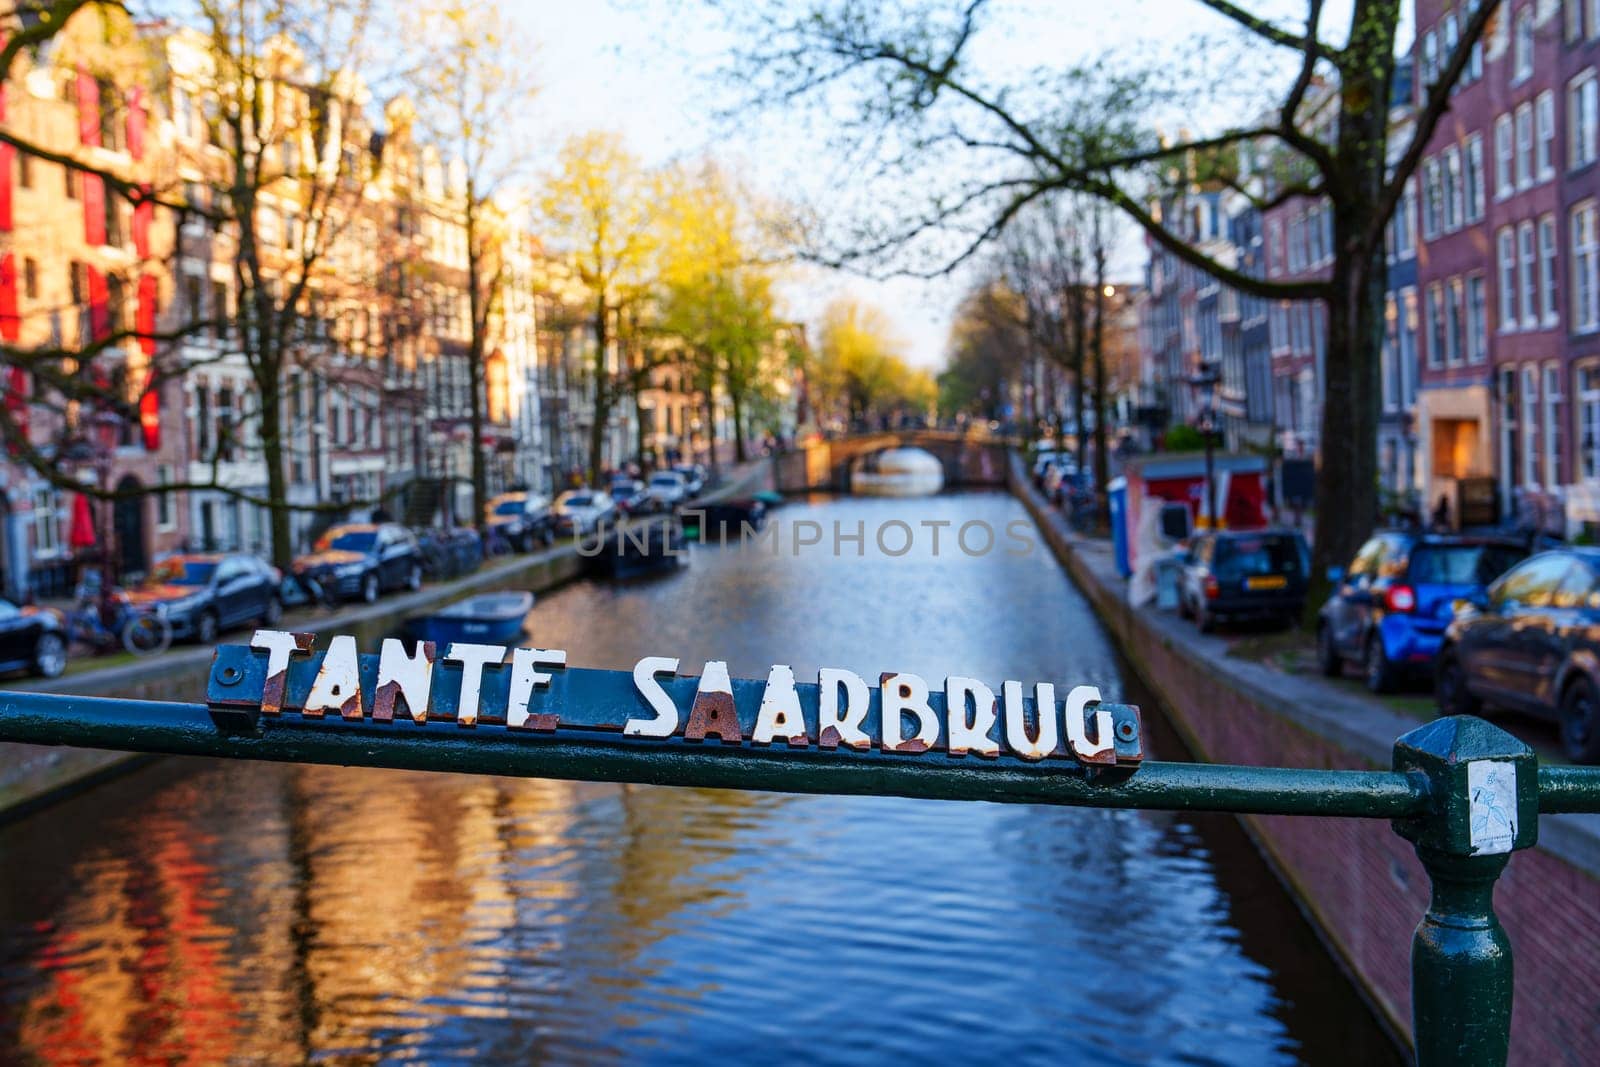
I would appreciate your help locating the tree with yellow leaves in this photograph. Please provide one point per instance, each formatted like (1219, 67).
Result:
(860, 367)
(600, 204)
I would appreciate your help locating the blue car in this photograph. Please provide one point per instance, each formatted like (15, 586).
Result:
(1389, 611)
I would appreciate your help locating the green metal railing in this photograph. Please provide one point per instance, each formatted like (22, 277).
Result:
(1464, 792)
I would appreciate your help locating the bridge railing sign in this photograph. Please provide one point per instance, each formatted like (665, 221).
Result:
(533, 691)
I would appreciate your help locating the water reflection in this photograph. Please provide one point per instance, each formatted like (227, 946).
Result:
(205, 912)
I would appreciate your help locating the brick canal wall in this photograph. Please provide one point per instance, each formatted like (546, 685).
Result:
(33, 774)
(1358, 881)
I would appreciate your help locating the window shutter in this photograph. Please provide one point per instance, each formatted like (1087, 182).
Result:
(136, 123)
(88, 108)
(94, 209)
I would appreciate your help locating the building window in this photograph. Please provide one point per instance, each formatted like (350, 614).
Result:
(1432, 199)
(1585, 269)
(164, 519)
(1530, 425)
(30, 278)
(1547, 270)
(1408, 346)
(1544, 116)
(1522, 46)
(1530, 280)
(1583, 109)
(24, 170)
(1452, 189)
(1508, 281)
(1435, 326)
(1589, 414)
(1474, 178)
(1455, 340)
(1504, 151)
(1430, 58)
(1572, 15)
(1552, 426)
(46, 522)
(1524, 146)
(1407, 230)
(1389, 355)
(1477, 324)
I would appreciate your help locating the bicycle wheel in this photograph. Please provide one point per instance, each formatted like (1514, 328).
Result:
(147, 635)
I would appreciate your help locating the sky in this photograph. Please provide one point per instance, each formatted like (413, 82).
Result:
(647, 69)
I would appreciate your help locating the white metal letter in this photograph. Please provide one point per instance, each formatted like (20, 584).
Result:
(473, 659)
(904, 693)
(969, 736)
(780, 714)
(338, 684)
(1044, 742)
(833, 728)
(400, 675)
(1104, 748)
(655, 697)
(525, 677)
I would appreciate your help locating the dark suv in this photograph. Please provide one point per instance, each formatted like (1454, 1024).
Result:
(523, 519)
(1532, 644)
(359, 561)
(204, 593)
(1237, 574)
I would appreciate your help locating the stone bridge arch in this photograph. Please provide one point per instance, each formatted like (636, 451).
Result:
(828, 464)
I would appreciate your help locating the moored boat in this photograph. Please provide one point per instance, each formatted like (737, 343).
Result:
(641, 548)
(487, 618)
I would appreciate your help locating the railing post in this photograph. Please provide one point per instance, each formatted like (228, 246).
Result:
(1485, 804)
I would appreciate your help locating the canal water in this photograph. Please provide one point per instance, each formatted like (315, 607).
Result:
(214, 912)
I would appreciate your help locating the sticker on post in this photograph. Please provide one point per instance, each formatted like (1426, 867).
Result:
(1492, 796)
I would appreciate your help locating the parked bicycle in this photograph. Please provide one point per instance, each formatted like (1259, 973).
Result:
(106, 622)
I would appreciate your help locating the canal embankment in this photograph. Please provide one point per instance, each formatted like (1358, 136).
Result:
(31, 775)
(1358, 882)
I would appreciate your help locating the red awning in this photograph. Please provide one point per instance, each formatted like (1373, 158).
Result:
(81, 534)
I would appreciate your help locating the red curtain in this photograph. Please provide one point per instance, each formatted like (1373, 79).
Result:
(94, 209)
(150, 399)
(99, 305)
(7, 153)
(88, 108)
(10, 322)
(144, 213)
(136, 122)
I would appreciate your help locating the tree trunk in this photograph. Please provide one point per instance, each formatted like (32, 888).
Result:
(711, 432)
(602, 393)
(277, 483)
(1347, 475)
(1075, 358)
(477, 309)
(1102, 460)
(738, 426)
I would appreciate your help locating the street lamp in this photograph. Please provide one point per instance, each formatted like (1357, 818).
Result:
(1205, 379)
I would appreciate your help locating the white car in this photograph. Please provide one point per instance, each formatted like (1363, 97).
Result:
(669, 487)
(582, 510)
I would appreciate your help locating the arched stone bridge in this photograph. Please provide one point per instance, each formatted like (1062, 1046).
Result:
(828, 464)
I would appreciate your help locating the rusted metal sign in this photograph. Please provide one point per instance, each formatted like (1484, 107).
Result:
(531, 691)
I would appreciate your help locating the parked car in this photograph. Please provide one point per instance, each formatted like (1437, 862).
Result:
(694, 477)
(670, 487)
(1237, 574)
(631, 496)
(580, 511)
(32, 639)
(360, 561)
(1531, 643)
(1389, 610)
(201, 594)
(524, 519)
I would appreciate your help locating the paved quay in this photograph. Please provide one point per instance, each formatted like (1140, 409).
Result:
(1359, 882)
